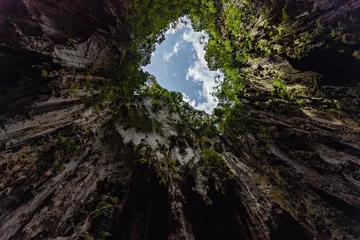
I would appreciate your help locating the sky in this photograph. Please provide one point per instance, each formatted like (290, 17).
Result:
(178, 64)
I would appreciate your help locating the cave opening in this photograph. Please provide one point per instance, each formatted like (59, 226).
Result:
(179, 64)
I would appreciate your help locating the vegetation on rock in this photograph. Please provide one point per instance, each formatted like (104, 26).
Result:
(91, 147)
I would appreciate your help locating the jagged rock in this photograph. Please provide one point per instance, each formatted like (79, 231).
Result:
(70, 171)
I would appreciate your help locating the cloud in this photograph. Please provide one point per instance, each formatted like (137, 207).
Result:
(187, 99)
(175, 50)
(199, 71)
(178, 25)
(174, 74)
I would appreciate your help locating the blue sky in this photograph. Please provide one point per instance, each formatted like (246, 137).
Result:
(179, 65)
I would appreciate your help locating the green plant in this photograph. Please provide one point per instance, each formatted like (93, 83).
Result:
(318, 27)
(87, 236)
(106, 208)
(212, 158)
(284, 15)
(205, 142)
(69, 42)
(58, 167)
(335, 33)
(142, 159)
(96, 109)
(278, 83)
(280, 89)
(90, 70)
(156, 104)
(166, 169)
(70, 146)
(44, 73)
(61, 168)
(74, 90)
(356, 54)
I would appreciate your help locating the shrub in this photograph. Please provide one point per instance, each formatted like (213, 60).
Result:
(212, 158)
(156, 104)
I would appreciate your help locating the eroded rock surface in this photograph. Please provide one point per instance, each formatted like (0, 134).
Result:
(291, 155)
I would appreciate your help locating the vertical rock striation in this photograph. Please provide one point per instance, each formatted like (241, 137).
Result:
(286, 167)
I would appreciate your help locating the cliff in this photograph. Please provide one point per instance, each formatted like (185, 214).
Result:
(286, 165)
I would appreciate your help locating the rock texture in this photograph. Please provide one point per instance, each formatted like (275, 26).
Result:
(69, 171)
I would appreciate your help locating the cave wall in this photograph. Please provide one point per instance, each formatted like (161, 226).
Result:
(70, 171)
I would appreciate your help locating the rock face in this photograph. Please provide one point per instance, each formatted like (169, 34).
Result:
(290, 158)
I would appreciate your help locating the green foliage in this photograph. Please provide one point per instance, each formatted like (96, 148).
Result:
(215, 162)
(44, 73)
(212, 158)
(335, 34)
(59, 167)
(90, 70)
(287, 93)
(69, 42)
(236, 34)
(87, 236)
(319, 27)
(142, 159)
(205, 142)
(156, 104)
(284, 15)
(166, 170)
(106, 208)
(103, 216)
(356, 54)
(146, 22)
(70, 146)
(96, 109)
(300, 45)
(238, 31)
(74, 90)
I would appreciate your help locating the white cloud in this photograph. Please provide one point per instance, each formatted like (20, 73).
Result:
(174, 74)
(187, 99)
(199, 71)
(178, 25)
(175, 50)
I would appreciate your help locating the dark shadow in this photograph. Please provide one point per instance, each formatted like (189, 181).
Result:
(145, 213)
(225, 218)
(289, 228)
(339, 68)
